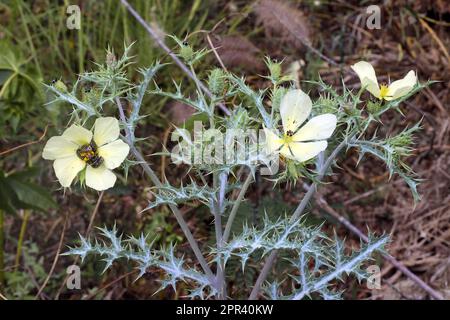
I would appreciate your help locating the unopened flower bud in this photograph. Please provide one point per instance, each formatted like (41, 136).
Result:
(186, 52)
(111, 60)
(216, 81)
(275, 70)
(374, 107)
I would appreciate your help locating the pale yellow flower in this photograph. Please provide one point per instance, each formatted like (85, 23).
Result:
(395, 90)
(78, 148)
(298, 142)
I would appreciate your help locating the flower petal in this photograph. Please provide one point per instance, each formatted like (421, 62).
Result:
(367, 76)
(66, 169)
(272, 142)
(106, 130)
(78, 135)
(303, 151)
(59, 147)
(318, 128)
(114, 153)
(294, 109)
(100, 178)
(402, 87)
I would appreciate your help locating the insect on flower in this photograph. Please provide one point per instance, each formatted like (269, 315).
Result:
(78, 148)
(395, 90)
(298, 142)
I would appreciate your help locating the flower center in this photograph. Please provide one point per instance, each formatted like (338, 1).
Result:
(384, 90)
(288, 137)
(89, 154)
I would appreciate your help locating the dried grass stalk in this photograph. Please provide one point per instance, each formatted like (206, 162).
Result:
(275, 15)
(240, 53)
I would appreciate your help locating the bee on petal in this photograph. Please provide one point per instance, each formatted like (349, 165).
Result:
(98, 151)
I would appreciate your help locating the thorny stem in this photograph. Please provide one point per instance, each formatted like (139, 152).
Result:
(387, 257)
(347, 266)
(163, 46)
(223, 180)
(298, 211)
(198, 84)
(310, 192)
(235, 207)
(151, 174)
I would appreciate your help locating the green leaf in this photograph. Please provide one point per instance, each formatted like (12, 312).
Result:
(16, 192)
(31, 195)
(4, 75)
(11, 58)
(8, 198)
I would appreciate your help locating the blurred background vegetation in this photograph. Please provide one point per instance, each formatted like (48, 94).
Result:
(38, 220)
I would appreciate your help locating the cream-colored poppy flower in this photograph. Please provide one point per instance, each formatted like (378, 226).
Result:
(298, 142)
(78, 147)
(395, 90)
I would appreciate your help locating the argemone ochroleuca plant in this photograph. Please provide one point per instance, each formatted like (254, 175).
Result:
(299, 142)
(79, 149)
(315, 132)
(395, 90)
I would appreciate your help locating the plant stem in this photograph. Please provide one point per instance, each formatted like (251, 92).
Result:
(23, 228)
(198, 85)
(2, 248)
(235, 208)
(223, 180)
(298, 211)
(324, 205)
(151, 174)
(352, 263)
(154, 178)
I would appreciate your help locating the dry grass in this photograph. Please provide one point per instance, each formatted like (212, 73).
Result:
(239, 53)
(276, 15)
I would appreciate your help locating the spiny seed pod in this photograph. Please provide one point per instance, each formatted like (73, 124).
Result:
(402, 140)
(216, 81)
(326, 105)
(275, 70)
(92, 96)
(59, 85)
(186, 52)
(373, 107)
(292, 171)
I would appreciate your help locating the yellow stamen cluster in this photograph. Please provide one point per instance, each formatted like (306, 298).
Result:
(287, 138)
(384, 91)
